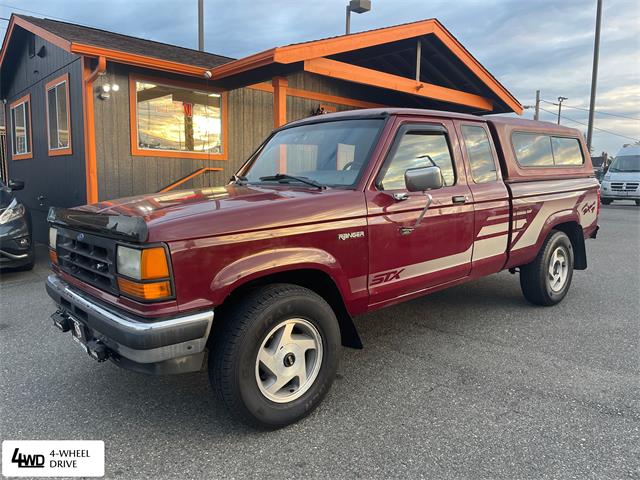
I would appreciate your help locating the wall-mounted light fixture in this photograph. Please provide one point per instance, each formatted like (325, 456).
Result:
(106, 89)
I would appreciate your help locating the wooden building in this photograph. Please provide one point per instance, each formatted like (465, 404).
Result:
(95, 115)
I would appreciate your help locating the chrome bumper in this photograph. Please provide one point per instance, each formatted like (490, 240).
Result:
(139, 340)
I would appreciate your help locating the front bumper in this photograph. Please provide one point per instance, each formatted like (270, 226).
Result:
(173, 345)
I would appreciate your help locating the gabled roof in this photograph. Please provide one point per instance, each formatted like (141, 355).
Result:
(115, 46)
(431, 31)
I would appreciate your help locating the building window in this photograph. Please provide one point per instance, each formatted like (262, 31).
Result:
(173, 120)
(483, 165)
(20, 115)
(58, 121)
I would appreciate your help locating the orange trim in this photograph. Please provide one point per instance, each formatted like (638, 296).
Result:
(321, 97)
(136, 151)
(330, 46)
(91, 164)
(366, 76)
(138, 60)
(189, 177)
(26, 99)
(41, 32)
(53, 152)
(279, 101)
(263, 87)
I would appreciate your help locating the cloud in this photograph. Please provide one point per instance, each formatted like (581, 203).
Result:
(527, 45)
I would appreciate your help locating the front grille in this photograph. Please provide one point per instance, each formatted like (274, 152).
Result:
(624, 187)
(89, 258)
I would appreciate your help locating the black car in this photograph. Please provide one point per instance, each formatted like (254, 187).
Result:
(16, 245)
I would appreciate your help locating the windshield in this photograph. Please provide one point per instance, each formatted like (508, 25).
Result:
(326, 153)
(628, 163)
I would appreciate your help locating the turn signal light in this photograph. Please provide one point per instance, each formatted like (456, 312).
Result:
(145, 291)
(53, 256)
(154, 264)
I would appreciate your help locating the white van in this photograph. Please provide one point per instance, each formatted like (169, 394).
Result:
(622, 180)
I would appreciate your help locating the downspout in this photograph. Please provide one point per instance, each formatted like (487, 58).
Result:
(89, 126)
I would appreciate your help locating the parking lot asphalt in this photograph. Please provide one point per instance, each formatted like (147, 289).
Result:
(471, 382)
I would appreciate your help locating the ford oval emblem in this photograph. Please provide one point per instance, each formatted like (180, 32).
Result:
(80, 237)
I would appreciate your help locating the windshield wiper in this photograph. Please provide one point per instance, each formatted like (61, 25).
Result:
(285, 176)
(239, 179)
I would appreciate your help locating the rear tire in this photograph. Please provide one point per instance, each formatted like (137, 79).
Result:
(606, 201)
(547, 279)
(275, 356)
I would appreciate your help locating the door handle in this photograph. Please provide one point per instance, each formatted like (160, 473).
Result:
(459, 199)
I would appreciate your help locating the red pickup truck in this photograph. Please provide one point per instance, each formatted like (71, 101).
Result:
(332, 217)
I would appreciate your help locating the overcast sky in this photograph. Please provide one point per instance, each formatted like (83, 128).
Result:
(527, 45)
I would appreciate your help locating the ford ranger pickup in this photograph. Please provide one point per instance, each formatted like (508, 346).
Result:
(332, 217)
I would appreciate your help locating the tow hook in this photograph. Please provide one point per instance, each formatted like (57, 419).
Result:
(61, 321)
(97, 350)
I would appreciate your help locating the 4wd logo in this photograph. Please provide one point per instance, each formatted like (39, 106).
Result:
(386, 277)
(27, 461)
(589, 208)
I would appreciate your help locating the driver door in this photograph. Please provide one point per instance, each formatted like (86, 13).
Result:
(439, 250)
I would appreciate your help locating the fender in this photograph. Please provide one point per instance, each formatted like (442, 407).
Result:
(527, 255)
(276, 261)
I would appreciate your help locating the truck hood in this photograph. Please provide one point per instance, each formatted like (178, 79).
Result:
(622, 177)
(184, 214)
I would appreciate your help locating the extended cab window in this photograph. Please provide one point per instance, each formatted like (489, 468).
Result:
(418, 149)
(566, 151)
(532, 149)
(483, 165)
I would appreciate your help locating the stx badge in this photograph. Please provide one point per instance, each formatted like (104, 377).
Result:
(386, 277)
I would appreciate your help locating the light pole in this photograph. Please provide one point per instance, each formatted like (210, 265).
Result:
(201, 25)
(357, 6)
(560, 100)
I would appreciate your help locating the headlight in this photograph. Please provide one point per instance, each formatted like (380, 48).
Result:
(53, 238)
(141, 266)
(129, 262)
(12, 212)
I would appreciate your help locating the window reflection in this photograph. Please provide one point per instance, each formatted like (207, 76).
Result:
(483, 166)
(415, 150)
(180, 119)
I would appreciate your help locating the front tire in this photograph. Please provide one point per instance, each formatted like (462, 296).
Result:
(547, 279)
(606, 201)
(276, 355)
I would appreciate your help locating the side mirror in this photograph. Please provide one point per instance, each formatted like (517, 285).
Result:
(423, 178)
(15, 185)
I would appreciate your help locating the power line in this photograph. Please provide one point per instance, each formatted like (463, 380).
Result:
(597, 111)
(595, 128)
(33, 12)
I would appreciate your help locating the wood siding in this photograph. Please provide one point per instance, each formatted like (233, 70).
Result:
(49, 180)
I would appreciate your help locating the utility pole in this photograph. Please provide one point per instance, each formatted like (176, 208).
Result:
(560, 100)
(536, 115)
(201, 25)
(594, 74)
